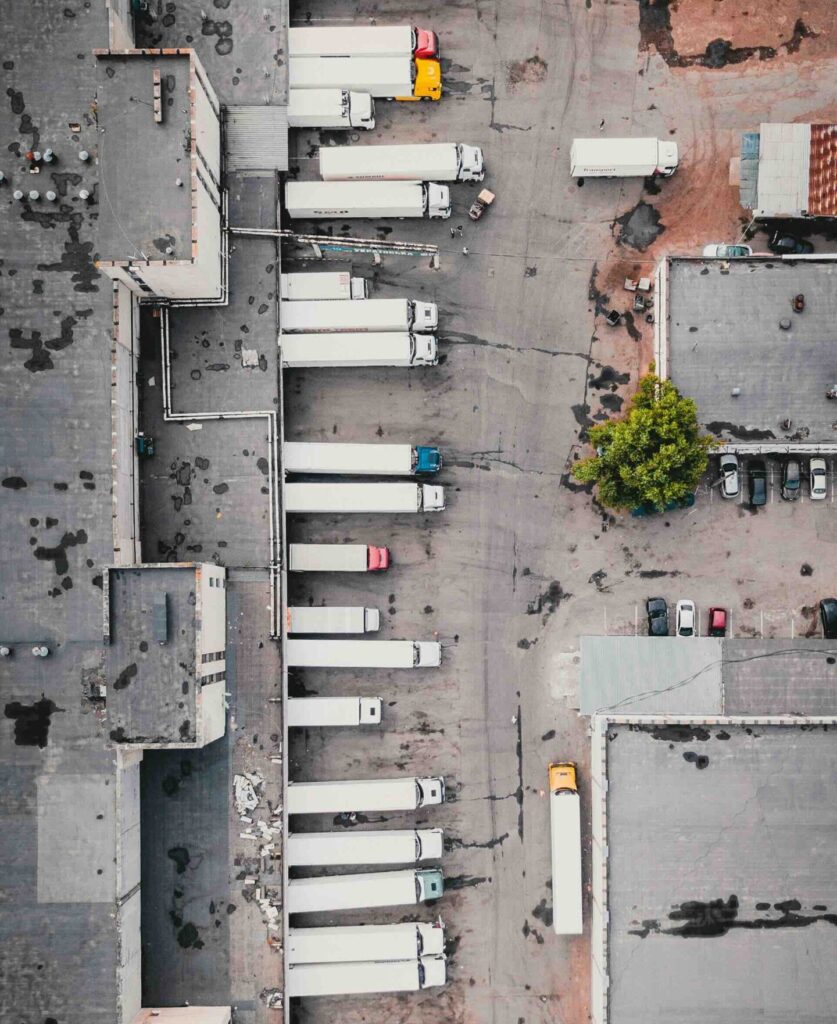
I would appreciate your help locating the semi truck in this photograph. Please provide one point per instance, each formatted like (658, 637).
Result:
(333, 619)
(353, 200)
(406, 794)
(375, 315)
(365, 977)
(391, 78)
(622, 158)
(362, 41)
(360, 459)
(369, 498)
(314, 712)
(363, 653)
(370, 889)
(337, 558)
(365, 942)
(431, 161)
(565, 817)
(323, 286)
(393, 846)
(330, 108)
(359, 349)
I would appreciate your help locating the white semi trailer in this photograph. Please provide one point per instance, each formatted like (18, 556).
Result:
(622, 158)
(362, 41)
(353, 200)
(365, 942)
(363, 653)
(430, 161)
(337, 558)
(365, 977)
(337, 459)
(324, 286)
(391, 846)
(375, 315)
(391, 78)
(370, 889)
(333, 619)
(406, 794)
(565, 814)
(315, 712)
(330, 108)
(369, 498)
(361, 349)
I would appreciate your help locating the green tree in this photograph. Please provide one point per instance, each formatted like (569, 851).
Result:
(654, 454)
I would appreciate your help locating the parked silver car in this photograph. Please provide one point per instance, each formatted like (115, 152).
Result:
(730, 484)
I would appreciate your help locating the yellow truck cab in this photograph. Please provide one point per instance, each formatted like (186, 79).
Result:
(427, 81)
(562, 777)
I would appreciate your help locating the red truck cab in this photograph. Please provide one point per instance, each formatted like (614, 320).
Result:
(426, 43)
(377, 559)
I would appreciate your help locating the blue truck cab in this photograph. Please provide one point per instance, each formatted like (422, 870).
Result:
(427, 459)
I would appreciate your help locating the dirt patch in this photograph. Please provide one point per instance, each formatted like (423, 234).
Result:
(747, 25)
(640, 226)
(529, 71)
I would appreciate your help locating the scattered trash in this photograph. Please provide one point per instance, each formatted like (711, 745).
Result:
(194, 426)
(246, 792)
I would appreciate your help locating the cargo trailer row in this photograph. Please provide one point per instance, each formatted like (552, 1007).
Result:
(365, 977)
(328, 893)
(405, 794)
(319, 316)
(358, 349)
(431, 161)
(393, 846)
(390, 78)
(363, 653)
(337, 558)
(322, 286)
(370, 498)
(330, 108)
(338, 459)
(360, 199)
(367, 942)
(316, 712)
(363, 41)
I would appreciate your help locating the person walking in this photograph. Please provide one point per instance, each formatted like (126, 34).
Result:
(465, 250)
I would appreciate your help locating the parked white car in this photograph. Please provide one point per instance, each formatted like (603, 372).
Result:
(719, 251)
(685, 618)
(730, 484)
(818, 479)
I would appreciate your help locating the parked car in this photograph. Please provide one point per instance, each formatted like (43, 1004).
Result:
(717, 622)
(729, 476)
(757, 477)
(791, 480)
(788, 245)
(828, 617)
(719, 251)
(685, 618)
(818, 479)
(656, 609)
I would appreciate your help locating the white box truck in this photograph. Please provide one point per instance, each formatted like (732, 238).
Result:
(325, 286)
(360, 349)
(430, 161)
(391, 78)
(333, 619)
(352, 200)
(335, 458)
(405, 794)
(369, 498)
(371, 889)
(622, 158)
(365, 942)
(362, 41)
(313, 712)
(365, 977)
(565, 817)
(375, 315)
(330, 108)
(363, 653)
(337, 558)
(393, 846)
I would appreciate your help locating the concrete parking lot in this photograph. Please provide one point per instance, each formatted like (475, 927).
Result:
(523, 562)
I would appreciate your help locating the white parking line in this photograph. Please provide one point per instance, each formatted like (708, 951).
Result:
(636, 620)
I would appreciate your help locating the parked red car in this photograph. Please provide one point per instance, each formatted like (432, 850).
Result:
(717, 622)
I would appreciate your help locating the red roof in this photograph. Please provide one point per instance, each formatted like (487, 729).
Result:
(822, 174)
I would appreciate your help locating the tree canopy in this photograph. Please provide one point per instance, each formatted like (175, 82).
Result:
(654, 455)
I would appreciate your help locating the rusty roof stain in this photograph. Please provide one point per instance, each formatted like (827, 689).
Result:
(822, 175)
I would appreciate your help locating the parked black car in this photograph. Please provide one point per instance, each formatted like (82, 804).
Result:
(757, 477)
(791, 480)
(657, 610)
(828, 616)
(788, 245)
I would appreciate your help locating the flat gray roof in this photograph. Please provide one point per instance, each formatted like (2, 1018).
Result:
(151, 685)
(722, 874)
(724, 333)
(143, 211)
(641, 675)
